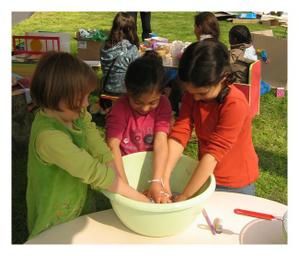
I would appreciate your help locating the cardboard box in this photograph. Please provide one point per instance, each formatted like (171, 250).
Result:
(88, 49)
(245, 21)
(280, 92)
(276, 71)
(272, 22)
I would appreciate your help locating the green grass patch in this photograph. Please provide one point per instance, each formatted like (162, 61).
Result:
(172, 25)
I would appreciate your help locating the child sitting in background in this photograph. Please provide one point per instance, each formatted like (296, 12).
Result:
(140, 120)
(206, 26)
(242, 52)
(67, 155)
(120, 49)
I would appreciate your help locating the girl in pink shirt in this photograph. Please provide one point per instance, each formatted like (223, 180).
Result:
(140, 120)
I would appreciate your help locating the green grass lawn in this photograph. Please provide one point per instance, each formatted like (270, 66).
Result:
(269, 128)
(172, 25)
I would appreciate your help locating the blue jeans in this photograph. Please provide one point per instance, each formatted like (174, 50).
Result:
(248, 190)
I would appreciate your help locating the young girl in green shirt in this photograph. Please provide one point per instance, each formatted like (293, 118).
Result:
(67, 156)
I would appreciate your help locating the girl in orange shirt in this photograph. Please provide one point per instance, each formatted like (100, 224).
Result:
(221, 117)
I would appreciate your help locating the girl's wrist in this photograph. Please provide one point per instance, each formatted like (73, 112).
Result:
(180, 197)
(166, 178)
(157, 181)
(186, 195)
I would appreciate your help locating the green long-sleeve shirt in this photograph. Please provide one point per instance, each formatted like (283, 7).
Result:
(62, 162)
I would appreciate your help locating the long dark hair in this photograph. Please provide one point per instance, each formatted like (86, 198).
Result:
(206, 63)
(123, 27)
(208, 24)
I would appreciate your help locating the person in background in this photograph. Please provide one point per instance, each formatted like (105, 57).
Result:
(206, 26)
(67, 156)
(120, 49)
(140, 120)
(145, 21)
(242, 52)
(220, 114)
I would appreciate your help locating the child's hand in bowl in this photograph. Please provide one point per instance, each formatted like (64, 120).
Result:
(180, 197)
(158, 194)
(167, 188)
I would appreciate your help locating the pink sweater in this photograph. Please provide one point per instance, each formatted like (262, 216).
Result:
(136, 132)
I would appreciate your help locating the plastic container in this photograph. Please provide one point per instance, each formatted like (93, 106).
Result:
(280, 92)
(158, 220)
(265, 87)
(285, 226)
(247, 15)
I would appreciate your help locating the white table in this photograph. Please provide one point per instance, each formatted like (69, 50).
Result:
(105, 228)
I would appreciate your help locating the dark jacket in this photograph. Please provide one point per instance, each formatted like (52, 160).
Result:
(240, 64)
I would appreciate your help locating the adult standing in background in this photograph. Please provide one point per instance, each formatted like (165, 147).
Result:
(146, 23)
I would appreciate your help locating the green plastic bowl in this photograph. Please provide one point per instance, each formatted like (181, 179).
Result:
(158, 220)
(285, 226)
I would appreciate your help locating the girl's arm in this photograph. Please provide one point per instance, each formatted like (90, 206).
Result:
(179, 136)
(120, 187)
(55, 147)
(202, 172)
(159, 160)
(175, 151)
(96, 145)
(114, 145)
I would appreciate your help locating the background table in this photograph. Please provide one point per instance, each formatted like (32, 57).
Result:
(105, 228)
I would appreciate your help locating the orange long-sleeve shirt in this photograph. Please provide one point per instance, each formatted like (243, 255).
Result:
(224, 131)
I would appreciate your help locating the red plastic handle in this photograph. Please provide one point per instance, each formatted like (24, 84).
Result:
(254, 214)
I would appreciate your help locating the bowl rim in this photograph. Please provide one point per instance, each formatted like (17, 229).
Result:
(167, 207)
(285, 221)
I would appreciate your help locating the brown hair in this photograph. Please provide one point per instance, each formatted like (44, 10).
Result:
(208, 24)
(123, 27)
(61, 76)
